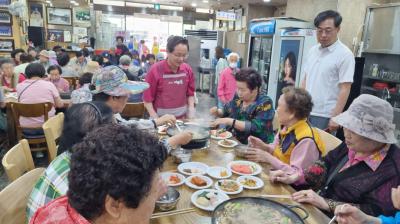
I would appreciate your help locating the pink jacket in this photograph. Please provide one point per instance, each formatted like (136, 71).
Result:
(226, 85)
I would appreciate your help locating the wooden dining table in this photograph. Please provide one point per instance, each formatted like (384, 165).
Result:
(215, 155)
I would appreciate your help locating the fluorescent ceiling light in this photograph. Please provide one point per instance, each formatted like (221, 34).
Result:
(194, 4)
(205, 1)
(267, 0)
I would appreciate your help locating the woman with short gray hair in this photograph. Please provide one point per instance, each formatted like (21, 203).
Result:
(227, 83)
(132, 72)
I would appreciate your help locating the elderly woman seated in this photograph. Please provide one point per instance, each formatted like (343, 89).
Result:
(250, 112)
(79, 120)
(363, 170)
(297, 145)
(114, 179)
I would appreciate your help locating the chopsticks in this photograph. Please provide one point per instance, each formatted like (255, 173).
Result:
(332, 220)
(177, 126)
(276, 196)
(170, 213)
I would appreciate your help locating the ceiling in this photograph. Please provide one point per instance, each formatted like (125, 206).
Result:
(204, 4)
(212, 4)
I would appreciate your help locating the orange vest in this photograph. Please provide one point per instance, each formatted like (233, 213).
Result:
(289, 138)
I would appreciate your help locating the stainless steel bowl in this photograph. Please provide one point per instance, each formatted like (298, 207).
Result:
(241, 150)
(181, 156)
(169, 200)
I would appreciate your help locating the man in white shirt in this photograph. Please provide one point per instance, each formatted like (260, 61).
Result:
(328, 72)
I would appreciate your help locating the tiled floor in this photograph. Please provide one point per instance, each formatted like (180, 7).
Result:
(205, 102)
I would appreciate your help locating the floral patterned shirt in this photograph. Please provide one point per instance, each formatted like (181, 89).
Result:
(257, 116)
(58, 212)
(81, 95)
(373, 161)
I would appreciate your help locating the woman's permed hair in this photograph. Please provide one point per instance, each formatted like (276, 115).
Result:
(298, 101)
(251, 77)
(116, 161)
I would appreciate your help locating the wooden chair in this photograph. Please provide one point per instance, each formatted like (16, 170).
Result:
(331, 142)
(133, 110)
(72, 82)
(31, 110)
(18, 160)
(14, 198)
(52, 131)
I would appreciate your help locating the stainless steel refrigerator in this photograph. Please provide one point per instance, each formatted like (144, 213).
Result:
(194, 56)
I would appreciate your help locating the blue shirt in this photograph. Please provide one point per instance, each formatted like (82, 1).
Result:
(390, 220)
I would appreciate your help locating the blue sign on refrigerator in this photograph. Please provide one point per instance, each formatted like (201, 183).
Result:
(262, 28)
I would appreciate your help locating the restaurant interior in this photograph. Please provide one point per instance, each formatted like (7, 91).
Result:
(200, 111)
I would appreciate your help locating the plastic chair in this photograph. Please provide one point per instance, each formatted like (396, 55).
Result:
(52, 131)
(14, 197)
(18, 160)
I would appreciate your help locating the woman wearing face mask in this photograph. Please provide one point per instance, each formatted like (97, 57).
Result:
(227, 83)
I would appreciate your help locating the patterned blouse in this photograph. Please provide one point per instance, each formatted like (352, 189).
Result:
(366, 183)
(257, 116)
(81, 95)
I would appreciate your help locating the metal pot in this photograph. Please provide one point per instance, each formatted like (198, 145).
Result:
(285, 210)
(201, 135)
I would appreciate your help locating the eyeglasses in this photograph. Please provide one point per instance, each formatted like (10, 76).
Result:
(327, 31)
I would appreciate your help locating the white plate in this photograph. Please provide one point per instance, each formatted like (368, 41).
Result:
(197, 166)
(228, 135)
(259, 182)
(192, 123)
(207, 179)
(160, 128)
(221, 197)
(256, 168)
(165, 176)
(234, 143)
(215, 172)
(229, 192)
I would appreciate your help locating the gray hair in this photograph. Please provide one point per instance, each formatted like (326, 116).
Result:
(228, 58)
(125, 60)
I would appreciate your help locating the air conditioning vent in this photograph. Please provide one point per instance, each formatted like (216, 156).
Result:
(203, 34)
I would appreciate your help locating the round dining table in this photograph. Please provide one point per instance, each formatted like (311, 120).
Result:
(215, 155)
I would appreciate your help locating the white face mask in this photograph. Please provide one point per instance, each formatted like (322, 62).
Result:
(233, 65)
